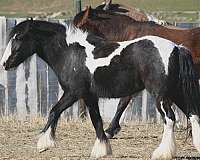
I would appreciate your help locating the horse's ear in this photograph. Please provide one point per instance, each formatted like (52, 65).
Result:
(87, 12)
(85, 16)
(90, 8)
(107, 4)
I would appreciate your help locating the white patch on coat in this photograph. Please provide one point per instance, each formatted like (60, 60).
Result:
(101, 149)
(45, 141)
(74, 34)
(194, 119)
(167, 147)
(7, 53)
(165, 48)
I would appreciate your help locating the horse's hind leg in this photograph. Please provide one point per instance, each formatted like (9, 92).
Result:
(47, 136)
(195, 122)
(167, 147)
(114, 126)
(102, 146)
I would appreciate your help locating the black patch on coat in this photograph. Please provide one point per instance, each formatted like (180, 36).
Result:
(139, 62)
(103, 48)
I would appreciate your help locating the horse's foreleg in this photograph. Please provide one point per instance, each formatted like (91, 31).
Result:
(114, 126)
(102, 146)
(167, 147)
(47, 136)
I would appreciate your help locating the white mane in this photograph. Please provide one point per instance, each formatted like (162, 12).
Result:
(74, 34)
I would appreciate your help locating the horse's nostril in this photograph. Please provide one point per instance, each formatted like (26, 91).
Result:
(4, 64)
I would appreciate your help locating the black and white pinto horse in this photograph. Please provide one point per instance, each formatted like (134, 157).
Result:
(88, 67)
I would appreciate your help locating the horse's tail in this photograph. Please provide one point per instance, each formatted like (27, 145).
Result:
(188, 82)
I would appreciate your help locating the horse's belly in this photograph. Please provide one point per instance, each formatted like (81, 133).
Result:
(116, 82)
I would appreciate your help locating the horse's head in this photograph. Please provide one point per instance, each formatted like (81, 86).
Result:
(20, 45)
(29, 37)
(82, 17)
(91, 16)
(90, 19)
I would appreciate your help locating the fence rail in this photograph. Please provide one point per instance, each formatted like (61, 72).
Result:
(32, 89)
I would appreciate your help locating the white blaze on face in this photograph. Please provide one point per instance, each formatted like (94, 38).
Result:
(7, 53)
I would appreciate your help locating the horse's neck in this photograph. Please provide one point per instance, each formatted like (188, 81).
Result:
(108, 29)
(51, 54)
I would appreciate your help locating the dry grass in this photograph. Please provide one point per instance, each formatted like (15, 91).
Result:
(75, 140)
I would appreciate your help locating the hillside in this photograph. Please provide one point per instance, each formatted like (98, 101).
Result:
(161, 8)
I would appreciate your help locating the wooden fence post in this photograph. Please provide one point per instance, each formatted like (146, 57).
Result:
(20, 88)
(3, 74)
(32, 87)
(81, 105)
(78, 6)
(144, 106)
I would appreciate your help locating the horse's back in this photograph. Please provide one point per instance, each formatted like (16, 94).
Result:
(140, 64)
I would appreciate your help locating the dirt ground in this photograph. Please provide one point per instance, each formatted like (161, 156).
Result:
(75, 140)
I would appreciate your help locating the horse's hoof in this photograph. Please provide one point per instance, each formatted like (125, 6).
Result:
(110, 133)
(101, 149)
(162, 153)
(45, 141)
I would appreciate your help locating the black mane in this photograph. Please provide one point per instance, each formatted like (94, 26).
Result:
(98, 14)
(113, 8)
(39, 25)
